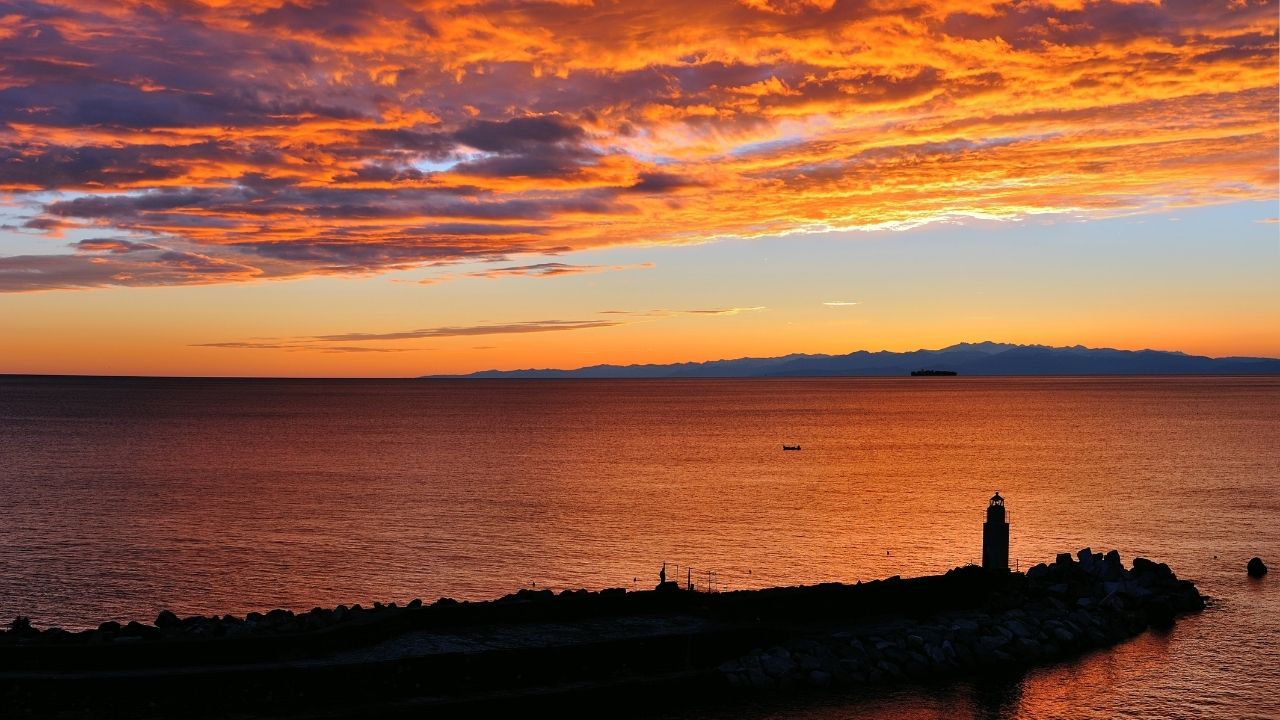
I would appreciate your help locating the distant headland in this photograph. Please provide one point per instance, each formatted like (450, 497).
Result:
(982, 358)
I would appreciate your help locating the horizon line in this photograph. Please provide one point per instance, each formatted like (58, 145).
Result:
(471, 375)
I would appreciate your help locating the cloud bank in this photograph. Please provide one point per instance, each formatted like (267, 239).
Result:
(236, 142)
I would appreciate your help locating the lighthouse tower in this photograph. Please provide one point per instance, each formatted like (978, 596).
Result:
(995, 536)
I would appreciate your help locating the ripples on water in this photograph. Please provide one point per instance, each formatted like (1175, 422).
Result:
(123, 497)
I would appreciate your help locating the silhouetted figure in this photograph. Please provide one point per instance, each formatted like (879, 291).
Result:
(1257, 568)
(662, 574)
(995, 536)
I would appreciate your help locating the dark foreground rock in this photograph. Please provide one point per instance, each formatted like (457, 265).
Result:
(1257, 568)
(1060, 610)
(537, 649)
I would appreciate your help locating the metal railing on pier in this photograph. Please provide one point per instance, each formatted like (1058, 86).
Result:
(707, 580)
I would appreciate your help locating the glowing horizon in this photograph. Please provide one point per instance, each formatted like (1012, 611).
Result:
(372, 188)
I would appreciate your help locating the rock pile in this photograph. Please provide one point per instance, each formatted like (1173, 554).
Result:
(1062, 609)
(1257, 568)
(275, 623)
(168, 626)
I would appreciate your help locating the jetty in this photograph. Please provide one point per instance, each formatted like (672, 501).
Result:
(577, 649)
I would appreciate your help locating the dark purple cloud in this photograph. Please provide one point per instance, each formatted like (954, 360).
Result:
(131, 268)
(279, 139)
(518, 328)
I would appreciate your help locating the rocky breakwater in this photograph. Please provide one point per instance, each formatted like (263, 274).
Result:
(593, 649)
(168, 626)
(275, 635)
(1053, 612)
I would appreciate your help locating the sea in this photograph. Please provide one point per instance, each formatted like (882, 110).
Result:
(120, 497)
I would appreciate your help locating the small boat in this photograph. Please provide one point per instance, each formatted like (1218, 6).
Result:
(932, 373)
(790, 447)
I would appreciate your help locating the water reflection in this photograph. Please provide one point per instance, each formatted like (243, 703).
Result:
(997, 698)
(128, 496)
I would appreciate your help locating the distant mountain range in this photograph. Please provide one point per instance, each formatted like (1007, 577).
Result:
(984, 358)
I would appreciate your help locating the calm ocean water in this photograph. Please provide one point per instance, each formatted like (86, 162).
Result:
(123, 497)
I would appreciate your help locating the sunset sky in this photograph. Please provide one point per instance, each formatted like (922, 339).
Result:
(403, 187)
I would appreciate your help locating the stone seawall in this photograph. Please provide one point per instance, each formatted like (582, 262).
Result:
(1063, 609)
(582, 649)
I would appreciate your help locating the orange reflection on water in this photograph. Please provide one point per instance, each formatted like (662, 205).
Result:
(128, 496)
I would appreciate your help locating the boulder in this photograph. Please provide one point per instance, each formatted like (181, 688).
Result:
(167, 619)
(758, 679)
(1151, 573)
(1143, 565)
(809, 662)
(1064, 636)
(1257, 568)
(1113, 568)
(992, 642)
(1018, 629)
(819, 678)
(137, 629)
(21, 626)
(777, 664)
(890, 669)
(936, 655)
(1086, 556)
(1160, 613)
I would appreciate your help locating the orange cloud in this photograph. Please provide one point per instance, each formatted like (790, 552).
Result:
(270, 138)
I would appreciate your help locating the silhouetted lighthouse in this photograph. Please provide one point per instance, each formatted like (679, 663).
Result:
(995, 536)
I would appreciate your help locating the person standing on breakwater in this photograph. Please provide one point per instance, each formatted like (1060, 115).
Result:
(662, 574)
